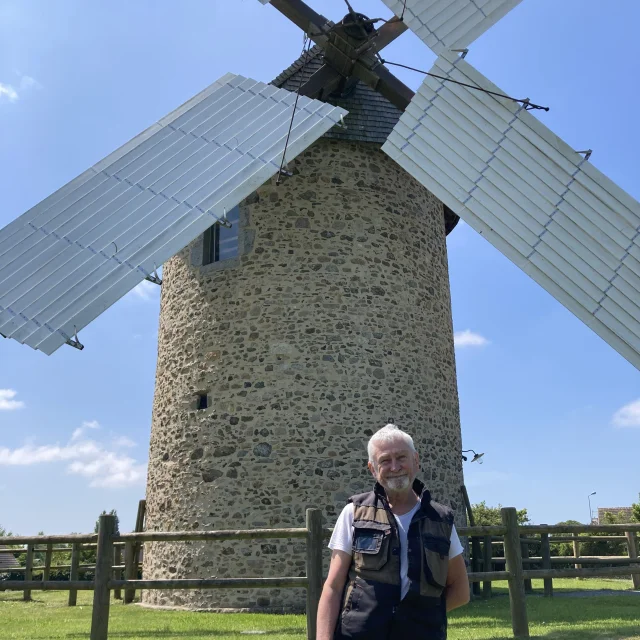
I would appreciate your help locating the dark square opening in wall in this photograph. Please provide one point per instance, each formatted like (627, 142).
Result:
(203, 401)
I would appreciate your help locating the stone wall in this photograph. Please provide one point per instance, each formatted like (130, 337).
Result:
(335, 318)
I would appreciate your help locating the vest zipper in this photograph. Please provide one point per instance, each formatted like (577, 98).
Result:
(394, 527)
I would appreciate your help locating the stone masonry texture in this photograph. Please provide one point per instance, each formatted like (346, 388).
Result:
(334, 319)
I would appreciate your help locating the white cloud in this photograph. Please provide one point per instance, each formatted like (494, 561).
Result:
(104, 467)
(7, 92)
(123, 441)
(30, 454)
(627, 416)
(10, 93)
(87, 424)
(467, 338)
(110, 469)
(7, 402)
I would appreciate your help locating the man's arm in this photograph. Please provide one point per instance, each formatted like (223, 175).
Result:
(457, 590)
(329, 605)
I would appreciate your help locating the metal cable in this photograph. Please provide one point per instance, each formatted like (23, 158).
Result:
(529, 106)
(307, 46)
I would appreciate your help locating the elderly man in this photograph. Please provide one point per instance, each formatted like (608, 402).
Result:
(397, 564)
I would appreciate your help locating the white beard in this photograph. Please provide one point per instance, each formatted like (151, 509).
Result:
(398, 484)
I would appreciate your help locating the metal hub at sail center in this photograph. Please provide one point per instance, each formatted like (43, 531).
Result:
(358, 26)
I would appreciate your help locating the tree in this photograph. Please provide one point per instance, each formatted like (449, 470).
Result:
(485, 516)
(4, 533)
(563, 548)
(88, 556)
(113, 512)
(591, 547)
(635, 510)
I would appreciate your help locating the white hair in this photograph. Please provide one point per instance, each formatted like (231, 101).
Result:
(389, 433)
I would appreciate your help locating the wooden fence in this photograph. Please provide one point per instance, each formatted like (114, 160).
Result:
(485, 559)
(108, 568)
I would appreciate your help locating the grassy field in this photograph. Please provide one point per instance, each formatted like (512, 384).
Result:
(566, 617)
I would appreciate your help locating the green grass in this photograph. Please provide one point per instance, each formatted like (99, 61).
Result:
(609, 617)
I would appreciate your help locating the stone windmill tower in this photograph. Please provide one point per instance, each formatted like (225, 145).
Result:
(331, 315)
(300, 314)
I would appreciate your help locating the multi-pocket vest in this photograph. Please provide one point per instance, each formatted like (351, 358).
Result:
(372, 607)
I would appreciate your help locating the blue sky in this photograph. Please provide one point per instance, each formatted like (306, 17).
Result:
(550, 404)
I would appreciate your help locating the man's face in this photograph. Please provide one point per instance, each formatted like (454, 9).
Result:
(394, 465)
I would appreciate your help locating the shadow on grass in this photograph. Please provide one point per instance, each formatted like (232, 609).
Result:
(629, 631)
(210, 633)
(604, 618)
(622, 632)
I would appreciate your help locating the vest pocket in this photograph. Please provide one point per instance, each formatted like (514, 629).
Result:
(436, 551)
(370, 546)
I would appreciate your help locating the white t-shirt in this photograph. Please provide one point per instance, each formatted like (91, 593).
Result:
(342, 539)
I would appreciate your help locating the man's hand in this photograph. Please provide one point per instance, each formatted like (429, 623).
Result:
(329, 605)
(457, 590)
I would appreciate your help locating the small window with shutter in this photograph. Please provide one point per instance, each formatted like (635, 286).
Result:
(221, 243)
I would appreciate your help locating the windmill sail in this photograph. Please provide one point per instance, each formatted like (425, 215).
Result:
(450, 24)
(73, 255)
(542, 204)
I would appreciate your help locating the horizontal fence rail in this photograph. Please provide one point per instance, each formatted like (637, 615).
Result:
(49, 585)
(111, 574)
(38, 540)
(37, 549)
(182, 536)
(581, 573)
(579, 528)
(222, 583)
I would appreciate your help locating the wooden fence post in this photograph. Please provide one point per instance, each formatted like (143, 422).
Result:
(633, 555)
(474, 542)
(104, 570)
(117, 561)
(129, 570)
(576, 553)
(74, 572)
(528, 586)
(517, 598)
(476, 559)
(546, 564)
(314, 569)
(28, 572)
(486, 566)
(47, 563)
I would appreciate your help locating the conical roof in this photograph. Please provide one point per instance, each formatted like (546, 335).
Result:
(7, 561)
(371, 116)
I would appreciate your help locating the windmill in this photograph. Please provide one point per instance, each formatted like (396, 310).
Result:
(332, 312)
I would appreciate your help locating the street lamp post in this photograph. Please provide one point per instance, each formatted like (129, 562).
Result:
(590, 512)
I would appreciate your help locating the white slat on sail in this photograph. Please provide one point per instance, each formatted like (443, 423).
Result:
(450, 24)
(69, 258)
(539, 202)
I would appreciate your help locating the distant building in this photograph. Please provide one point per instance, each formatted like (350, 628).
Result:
(623, 514)
(7, 561)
